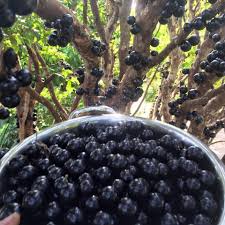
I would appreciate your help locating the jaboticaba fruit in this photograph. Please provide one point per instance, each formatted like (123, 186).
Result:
(121, 173)
(24, 76)
(10, 58)
(4, 114)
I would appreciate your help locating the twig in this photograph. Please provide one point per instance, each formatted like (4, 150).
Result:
(124, 35)
(44, 102)
(85, 9)
(111, 24)
(146, 91)
(98, 23)
(34, 59)
(216, 142)
(75, 103)
(50, 86)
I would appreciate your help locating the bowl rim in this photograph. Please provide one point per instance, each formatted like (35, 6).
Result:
(71, 123)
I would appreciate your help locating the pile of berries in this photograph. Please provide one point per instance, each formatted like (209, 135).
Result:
(10, 8)
(173, 8)
(135, 27)
(111, 174)
(98, 48)
(11, 82)
(63, 33)
(215, 62)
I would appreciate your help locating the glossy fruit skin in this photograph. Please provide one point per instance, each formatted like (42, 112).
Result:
(74, 216)
(52, 211)
(135, 29)
(185, 46)
(32, 200)
(155, 203)
(53, 40)
(102, 218)
(10, 101)
(9, 86)
(67, 20)
(10, 58)
(131, 20)
(4, 114)
(154, 42)
(25, 77)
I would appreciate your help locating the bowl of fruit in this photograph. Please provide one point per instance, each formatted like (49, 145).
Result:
(103, 168)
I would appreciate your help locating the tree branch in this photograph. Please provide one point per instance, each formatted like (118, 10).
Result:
(85, 11)
(125, 35)
(146, 91)
(50, 86)
(98, 23)
(44, 102)
(216, 8)
(111, 24)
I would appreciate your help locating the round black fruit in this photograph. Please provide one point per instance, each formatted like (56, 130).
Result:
(9, 86)
(10, 101)
(67, 20)
(24, 77)
(10, 58)
(131, 20)
(4, 113)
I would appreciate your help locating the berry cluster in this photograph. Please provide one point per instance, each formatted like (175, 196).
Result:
(80, 74)
(135, 27)
(133, 93)
(173, 8)
(136, 60)
(10, 8)
(195, 116)
(185, 95)
(207, 20)
(191, 41)
(112, 89)
(102, 174)
(97, 72)
(98, 48)
(215, 62)
(64, 32)
(11, 82)
(211, 131)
